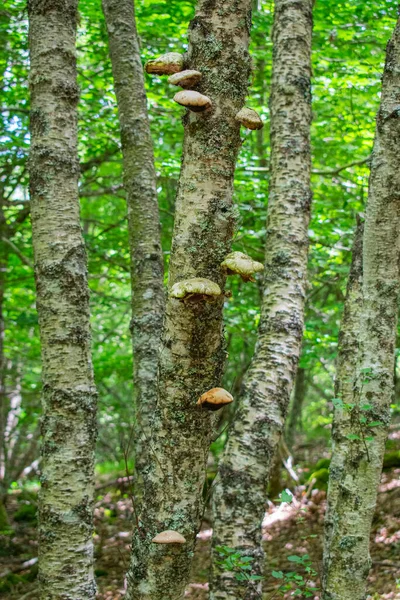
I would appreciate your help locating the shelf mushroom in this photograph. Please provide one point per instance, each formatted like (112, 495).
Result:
(249, 118)
(169, 537)
(167, 64)
(193, 100)
(185, 79)
(238, 263)
(215, 399)
(195, 289)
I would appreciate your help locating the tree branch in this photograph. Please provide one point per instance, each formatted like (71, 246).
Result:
(18, 252)
(328, 173)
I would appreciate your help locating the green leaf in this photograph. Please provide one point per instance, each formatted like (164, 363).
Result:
(295, 559)
(337, 403)
(286, 496)
(277, 574)
(375, 424)
(353, 436)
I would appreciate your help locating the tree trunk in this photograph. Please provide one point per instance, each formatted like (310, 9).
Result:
(240, 494)
(357, 462)
(343, 422)
(192, 353)
(143, 216)
(294, 421)
(69, 394)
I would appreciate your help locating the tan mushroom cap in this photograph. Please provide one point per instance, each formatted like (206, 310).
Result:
(215, 399)
(167, 64)
(238, 263)
(249, 118)
(197, 286)
(185, 79)
(169, 537)
(193, 100)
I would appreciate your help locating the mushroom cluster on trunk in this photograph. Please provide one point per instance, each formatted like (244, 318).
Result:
(195, 289)
(249, 118)
(238, 263)
(167, 64)
(168, 537)
(215, 399)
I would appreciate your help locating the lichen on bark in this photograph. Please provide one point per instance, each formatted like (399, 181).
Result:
(143, 218)
(357, 461)
(69, 394)
(192, 351)
(239, 497)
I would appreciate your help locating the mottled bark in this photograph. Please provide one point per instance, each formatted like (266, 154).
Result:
(345, 421)
(240, 494)
(192, 353)
(143, 216)
(294, 421)
(69, 394)
(357, 463)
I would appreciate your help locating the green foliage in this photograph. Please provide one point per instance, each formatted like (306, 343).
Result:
(297, 580)
(321, 477)
(349, 42)
(26, 513)
(233, 561)
(285, 496)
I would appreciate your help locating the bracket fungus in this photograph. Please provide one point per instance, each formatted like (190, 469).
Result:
(195, 289)
(167, 64)
(215, 399)
(249, 118)
(238, 263)
(185, 79)
(169, 537)
(193, 100)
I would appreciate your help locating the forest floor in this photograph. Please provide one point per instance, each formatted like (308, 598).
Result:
(289, 529)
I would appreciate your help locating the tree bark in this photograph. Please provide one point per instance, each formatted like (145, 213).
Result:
(294, 421)
(344, 423)
(192, 353)
(357, 462)
(69, 394)
(240, 494)
(143, 217)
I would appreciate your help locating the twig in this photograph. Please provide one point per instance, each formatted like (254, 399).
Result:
(28, 594)
(327, 173)
(22, 567)
(18, 252)
(336, 171)
(385, 564)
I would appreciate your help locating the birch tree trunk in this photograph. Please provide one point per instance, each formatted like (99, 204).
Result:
(143, 217)
(240, 493)
(294, 421)
(343, 422)
(193, 353)
(69, 394)
(357, 462)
